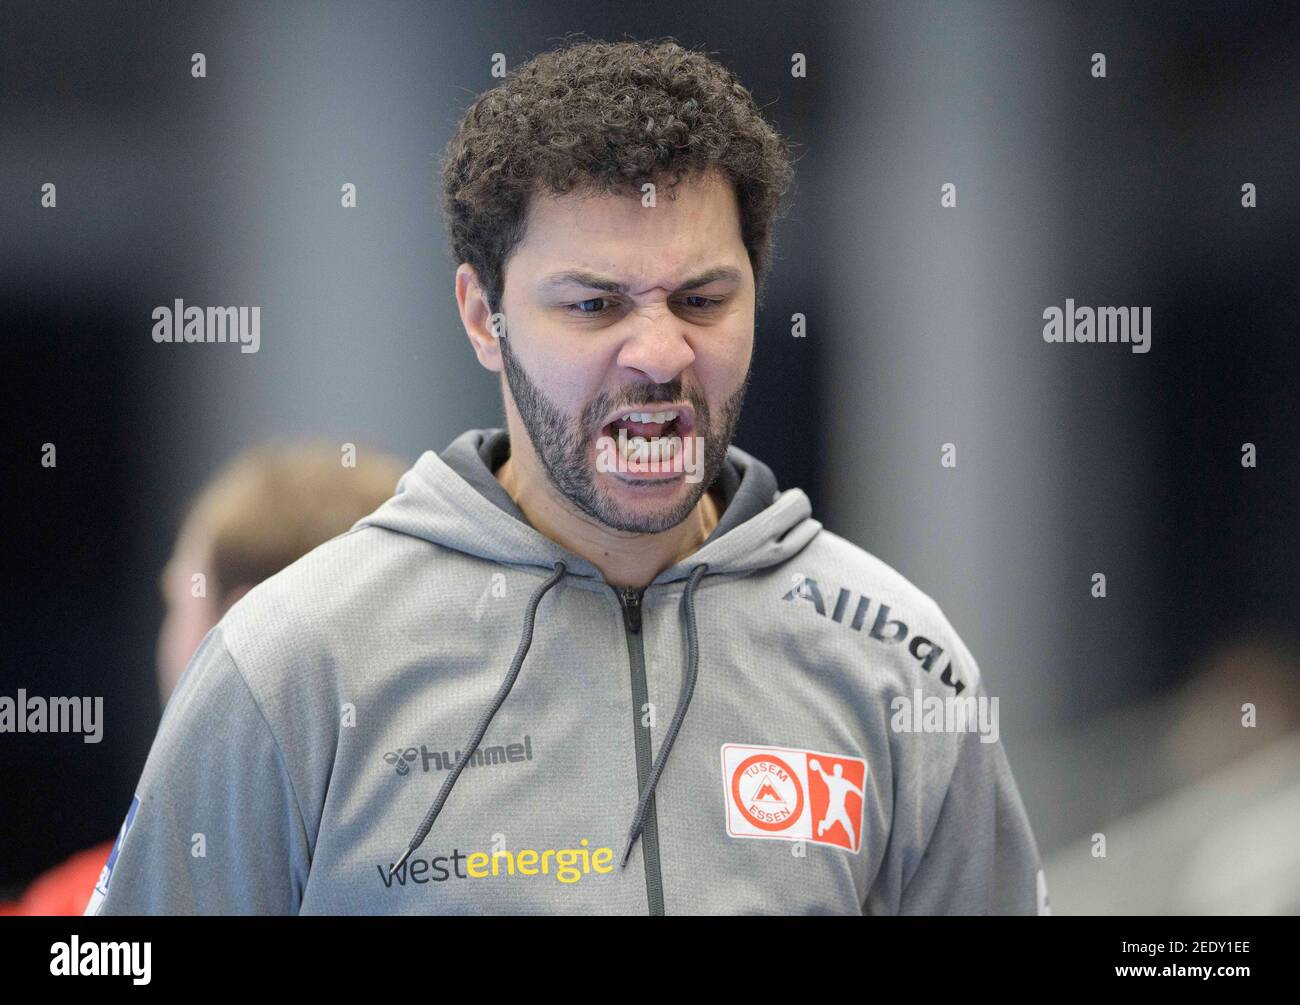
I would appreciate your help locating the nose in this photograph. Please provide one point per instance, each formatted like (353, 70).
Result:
(657, 346)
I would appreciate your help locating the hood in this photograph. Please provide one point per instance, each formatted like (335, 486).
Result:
(454, 500)
(760, 527)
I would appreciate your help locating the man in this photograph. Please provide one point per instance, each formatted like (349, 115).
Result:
(265, 509)
(583, 664)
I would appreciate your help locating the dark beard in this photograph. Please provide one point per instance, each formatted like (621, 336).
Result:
(561, 445)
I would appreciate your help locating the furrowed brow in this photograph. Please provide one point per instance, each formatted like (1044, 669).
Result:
(591, 281)
(586, 280)
(722, 274)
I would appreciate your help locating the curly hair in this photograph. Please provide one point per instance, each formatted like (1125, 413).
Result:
(606, 117)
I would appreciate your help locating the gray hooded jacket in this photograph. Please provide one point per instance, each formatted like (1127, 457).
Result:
(773, 726)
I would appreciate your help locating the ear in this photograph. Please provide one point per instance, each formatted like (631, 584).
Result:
(475, 314)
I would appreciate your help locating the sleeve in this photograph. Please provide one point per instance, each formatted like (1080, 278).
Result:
(215, 826)
(981, 857)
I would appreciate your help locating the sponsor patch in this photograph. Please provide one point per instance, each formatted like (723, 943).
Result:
(794, 795)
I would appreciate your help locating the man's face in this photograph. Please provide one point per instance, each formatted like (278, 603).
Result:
(612, 307)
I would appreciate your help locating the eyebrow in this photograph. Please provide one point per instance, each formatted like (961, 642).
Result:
(589, 280)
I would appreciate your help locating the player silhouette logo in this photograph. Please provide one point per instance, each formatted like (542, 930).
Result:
(838, 787)
(782, 792)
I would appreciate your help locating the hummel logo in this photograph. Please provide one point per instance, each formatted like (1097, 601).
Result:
(438, 760)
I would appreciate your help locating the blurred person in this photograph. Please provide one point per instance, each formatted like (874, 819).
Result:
(264, 510)
(601, 643)
(1211, 795)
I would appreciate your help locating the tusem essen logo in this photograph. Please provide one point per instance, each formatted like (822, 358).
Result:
(794, 795)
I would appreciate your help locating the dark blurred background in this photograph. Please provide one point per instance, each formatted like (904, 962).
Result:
(1121, 716)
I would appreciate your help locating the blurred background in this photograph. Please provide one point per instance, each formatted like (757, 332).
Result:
(1121, 716)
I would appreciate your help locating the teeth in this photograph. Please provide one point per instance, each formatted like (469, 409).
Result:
(650, 416)
(661, 448)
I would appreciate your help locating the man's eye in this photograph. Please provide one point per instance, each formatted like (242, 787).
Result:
(579, 307)
(596, 306)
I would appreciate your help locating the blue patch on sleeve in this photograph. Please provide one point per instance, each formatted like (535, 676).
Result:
(106, 874)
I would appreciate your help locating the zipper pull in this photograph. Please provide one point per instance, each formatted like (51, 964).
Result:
(631, 599)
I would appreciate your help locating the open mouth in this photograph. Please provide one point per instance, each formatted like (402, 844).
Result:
(649, 440)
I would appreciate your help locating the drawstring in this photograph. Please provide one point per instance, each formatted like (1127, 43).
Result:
(688, 688)
(525, 641)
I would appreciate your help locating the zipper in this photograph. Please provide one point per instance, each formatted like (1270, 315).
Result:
(631, 601)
